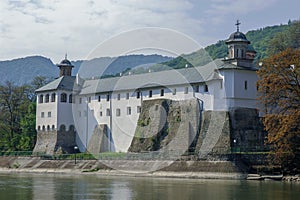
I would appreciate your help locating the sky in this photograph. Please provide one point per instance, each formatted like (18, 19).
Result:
(52, 28)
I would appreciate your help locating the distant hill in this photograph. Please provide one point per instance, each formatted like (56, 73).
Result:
(23, 70)
(108, 66)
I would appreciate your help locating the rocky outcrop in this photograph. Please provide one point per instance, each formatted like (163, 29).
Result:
(180, 127)
(99, 140)
(166, 125)
(52, 142)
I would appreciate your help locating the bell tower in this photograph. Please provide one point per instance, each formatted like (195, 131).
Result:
(237, 44)
(65, 67)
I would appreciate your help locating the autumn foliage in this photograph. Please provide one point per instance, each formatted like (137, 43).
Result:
(279, 89)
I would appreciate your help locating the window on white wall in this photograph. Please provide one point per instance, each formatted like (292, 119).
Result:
(89, 99)
(42, 114)
(71, 99)
(196, 88)
(118, 112)
(101, 114)
(99, 98)
(162, 92)
(205, 88)
(119, 97)
(246, 85)
(127, 95)
(150, 93)
(128, 110)
(107, 97)
(53, 97)
(47, 98)
(41, 98)
(174, 91)
(138, 109)
(53, 127)
(108, 112)
(186, 90)
(63, 97)
(138, 94)
(49, 114)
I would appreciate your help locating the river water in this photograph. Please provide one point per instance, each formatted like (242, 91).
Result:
(58, 186)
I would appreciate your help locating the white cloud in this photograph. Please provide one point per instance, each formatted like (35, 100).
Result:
(51, 28)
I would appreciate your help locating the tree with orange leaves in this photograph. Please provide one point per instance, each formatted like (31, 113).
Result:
(279, 94)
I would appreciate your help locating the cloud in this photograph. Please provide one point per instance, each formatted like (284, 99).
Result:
(221, 8)
(53, 27)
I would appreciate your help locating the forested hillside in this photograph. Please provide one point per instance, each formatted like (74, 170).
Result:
(260, 41)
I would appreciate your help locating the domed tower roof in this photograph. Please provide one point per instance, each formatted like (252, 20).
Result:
(65, 62)
(65, 67)
(237, 36)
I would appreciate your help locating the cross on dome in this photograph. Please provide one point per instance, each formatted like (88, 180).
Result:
(238, 25)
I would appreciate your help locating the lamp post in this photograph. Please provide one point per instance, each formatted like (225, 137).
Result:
(75, 150)
(235, 150)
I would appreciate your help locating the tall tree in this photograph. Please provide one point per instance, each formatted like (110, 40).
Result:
(13, 106)
(279, 88)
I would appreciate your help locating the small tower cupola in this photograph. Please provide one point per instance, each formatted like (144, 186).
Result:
(65, 67)
(237, 44)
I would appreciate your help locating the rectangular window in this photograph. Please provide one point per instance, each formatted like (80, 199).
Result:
(138, 94)
(186, 90)
(150, 93)
(128, 110)
(205, 88)
(162, 92)
(107, 97)
(118, 112)
(42, 114)
(138, 109)
(99, 98)
(119, 97)
(80, 100)
(127, 95)
(108, 112)
(89, 99)
(49, 114)
(245, 85)
(196, 88)
(101, 114)
(174, 91)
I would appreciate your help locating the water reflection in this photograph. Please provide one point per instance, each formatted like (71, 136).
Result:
(48, 187)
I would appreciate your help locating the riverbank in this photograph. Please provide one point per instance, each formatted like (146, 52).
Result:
(170, 169)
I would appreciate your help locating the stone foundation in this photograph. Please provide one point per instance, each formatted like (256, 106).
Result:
(52, 142)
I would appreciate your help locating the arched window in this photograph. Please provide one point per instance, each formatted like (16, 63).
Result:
(71, 128)
(48, 128)
(43, 128)
(41, 99)
(53, 97)
(71, 100)
(63, 97)
(53, 127)
(47, 98)
(39, 128)
(62, 127)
